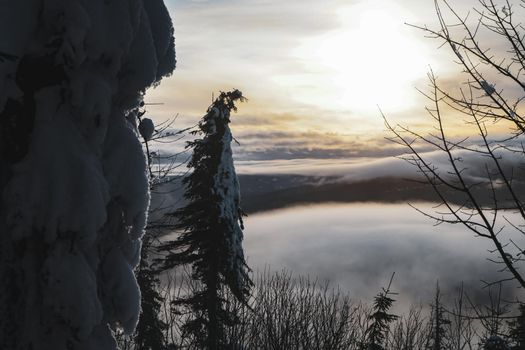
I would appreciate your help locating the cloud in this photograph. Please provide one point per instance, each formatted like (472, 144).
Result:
(250, 45)
(358, 247)
(346, 158)
(288, 144)
(353, 161)
(242, 42)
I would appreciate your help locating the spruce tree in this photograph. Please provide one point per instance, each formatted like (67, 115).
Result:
(517, 330)
(438, 338)
(149, 334)
(381, 319)
(210, 227)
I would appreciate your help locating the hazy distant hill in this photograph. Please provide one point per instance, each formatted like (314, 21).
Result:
(268, 192)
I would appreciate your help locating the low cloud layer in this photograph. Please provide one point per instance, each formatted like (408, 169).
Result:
(359, 246)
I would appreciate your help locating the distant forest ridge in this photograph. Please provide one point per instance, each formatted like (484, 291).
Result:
(267, 192)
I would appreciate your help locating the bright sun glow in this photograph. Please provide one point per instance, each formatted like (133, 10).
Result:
(372, 60)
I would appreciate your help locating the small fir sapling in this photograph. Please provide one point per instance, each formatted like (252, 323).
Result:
(380, 319)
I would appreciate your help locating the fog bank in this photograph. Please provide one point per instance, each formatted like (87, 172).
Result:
(358, 247)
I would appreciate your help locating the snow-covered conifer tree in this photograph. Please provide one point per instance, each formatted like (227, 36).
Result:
(211, 226)
(74, 187)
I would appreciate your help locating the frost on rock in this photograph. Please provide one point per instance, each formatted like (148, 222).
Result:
(73, 176)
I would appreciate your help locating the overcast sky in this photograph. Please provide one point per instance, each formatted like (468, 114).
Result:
(314, 71)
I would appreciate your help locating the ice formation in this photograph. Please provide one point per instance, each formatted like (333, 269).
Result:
(73, 174)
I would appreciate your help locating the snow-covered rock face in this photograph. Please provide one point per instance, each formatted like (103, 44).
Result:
(75, 204)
